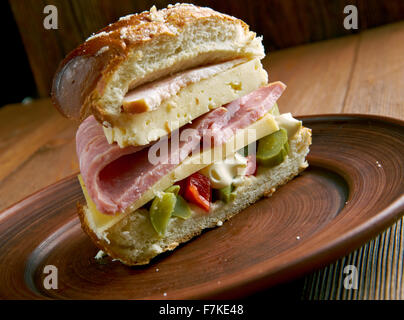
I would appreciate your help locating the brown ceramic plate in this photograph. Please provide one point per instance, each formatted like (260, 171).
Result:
(352, 190)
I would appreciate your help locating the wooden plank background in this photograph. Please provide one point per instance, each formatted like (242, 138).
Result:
(283, 23)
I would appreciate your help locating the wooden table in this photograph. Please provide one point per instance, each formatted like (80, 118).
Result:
(363, 73)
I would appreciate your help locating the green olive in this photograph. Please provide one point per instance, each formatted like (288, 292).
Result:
(161, 210)
(225, 194)
(173, 189)
(273, 148)
(181, 209)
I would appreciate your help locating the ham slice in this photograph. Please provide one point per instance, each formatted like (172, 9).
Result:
(116, 177)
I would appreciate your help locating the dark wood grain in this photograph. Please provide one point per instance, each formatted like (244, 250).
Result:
(341, 201)
(380, 268)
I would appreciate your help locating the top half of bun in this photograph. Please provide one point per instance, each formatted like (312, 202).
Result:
(139, 48)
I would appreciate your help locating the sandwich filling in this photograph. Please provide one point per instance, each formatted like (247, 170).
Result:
(153, 110)
(121, 180)
(149, 96)
(180, 129)
(116, 177)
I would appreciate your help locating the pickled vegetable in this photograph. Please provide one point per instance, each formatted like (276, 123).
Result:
(197, 190)
(225, 194)
(181, 209)
(161, 210)
(273, 148)
(173, 189)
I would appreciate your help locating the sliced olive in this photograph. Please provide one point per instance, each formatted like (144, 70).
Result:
(161, 210)
(225, 194)
(286, 147)
(173, 189)
(273, 148)
(181, 209)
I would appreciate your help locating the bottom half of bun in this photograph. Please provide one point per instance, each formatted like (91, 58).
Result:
(133, 240)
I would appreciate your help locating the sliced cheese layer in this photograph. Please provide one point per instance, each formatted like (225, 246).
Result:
(148, 97)
(100, 222)
(189, 103)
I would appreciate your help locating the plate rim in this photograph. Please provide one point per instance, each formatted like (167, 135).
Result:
(344, 244)
(255, 278)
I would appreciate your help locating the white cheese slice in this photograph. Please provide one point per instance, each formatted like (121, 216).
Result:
(100, 222)
(189, 103)
(149, 96)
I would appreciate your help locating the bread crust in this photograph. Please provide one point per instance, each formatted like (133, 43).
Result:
(100, 243)
(81, 80)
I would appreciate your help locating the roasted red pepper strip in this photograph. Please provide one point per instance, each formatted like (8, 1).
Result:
(196, 189)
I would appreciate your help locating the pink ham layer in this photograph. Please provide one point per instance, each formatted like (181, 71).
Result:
(116, 177)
